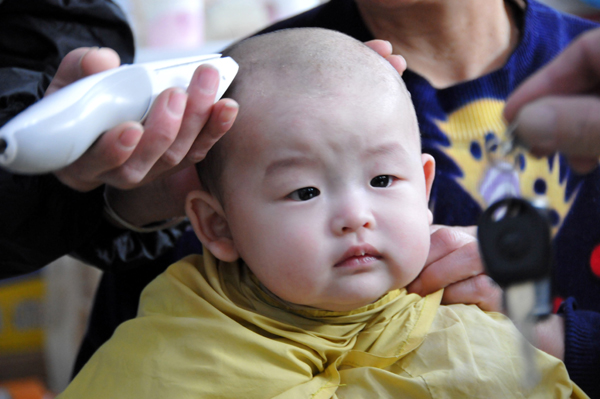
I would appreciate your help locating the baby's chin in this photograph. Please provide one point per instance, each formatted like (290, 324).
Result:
(357, 299)
(353, 297)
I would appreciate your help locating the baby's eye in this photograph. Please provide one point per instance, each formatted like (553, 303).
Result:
(304, 194)
(382, 181)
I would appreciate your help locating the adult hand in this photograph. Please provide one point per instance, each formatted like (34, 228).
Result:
(558, 108)
(454, 264)
(384, 49)
(178, 132)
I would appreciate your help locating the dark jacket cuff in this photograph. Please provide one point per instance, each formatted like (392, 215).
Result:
(582, 346)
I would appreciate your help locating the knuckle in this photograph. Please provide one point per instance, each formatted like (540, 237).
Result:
(172, 158)
(481, 285)
(471, 256)
(479, 290)
(453, 238)
(77, 178)
(487, 292)
(112, 160)
(202, 146)
(196, 155)
(446, 236)
(126, 178)
(164, 136)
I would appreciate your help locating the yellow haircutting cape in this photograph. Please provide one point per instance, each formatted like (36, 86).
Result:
(207, 329)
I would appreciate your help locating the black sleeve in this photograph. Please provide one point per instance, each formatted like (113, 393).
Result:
(35, 35)
(41, 219)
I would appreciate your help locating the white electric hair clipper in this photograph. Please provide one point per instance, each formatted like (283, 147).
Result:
(59, 128)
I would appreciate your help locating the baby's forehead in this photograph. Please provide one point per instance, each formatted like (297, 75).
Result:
(302, 68)
(269, 114)
(293, 120)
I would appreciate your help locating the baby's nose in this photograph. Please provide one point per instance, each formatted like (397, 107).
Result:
(352, 217)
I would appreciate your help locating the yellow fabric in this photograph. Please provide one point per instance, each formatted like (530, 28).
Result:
(207, 330)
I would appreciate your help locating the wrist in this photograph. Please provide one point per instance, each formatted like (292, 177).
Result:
(550, 336)
(115, 218)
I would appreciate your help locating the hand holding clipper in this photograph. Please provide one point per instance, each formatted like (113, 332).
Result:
(57, 130)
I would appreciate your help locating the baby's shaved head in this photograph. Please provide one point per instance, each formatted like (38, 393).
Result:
(302, 63)
(306, 60)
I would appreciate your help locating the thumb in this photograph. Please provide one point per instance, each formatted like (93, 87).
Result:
(82, 62)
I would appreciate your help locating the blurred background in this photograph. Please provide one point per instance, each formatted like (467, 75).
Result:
(43, 316)
(174, 28)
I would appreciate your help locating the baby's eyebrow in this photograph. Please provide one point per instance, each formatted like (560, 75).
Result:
(284, 163)
(390, 148)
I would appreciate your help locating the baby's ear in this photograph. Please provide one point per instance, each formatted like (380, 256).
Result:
(208, 220)
(429, 171)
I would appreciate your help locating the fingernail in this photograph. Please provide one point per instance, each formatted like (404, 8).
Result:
(176, 103)
(402, 58)
(130, 137)
(206, 82)
(86, 53)
(229, 113)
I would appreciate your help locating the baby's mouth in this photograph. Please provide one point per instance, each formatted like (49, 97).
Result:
(358, 255)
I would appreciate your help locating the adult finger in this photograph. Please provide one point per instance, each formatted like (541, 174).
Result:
(381, 47)
(201, 96)
(445, 239)
(220, 121)
(160, 130)
(458, 265)
(398, 62)
(384, 49)
(98, 60)
(109, 152)
(453, 257)
(479, 290)
(192, 135)
(222, 118)
(81, 62)
(575, 71)
(570, 125)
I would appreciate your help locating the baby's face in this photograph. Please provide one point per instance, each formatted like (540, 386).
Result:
(327, 203)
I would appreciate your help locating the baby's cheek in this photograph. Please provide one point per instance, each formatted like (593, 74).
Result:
(409, 240)
(301, 247)
(299, 252)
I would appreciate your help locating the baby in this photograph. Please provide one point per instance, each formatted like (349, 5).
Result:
(313, 219)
